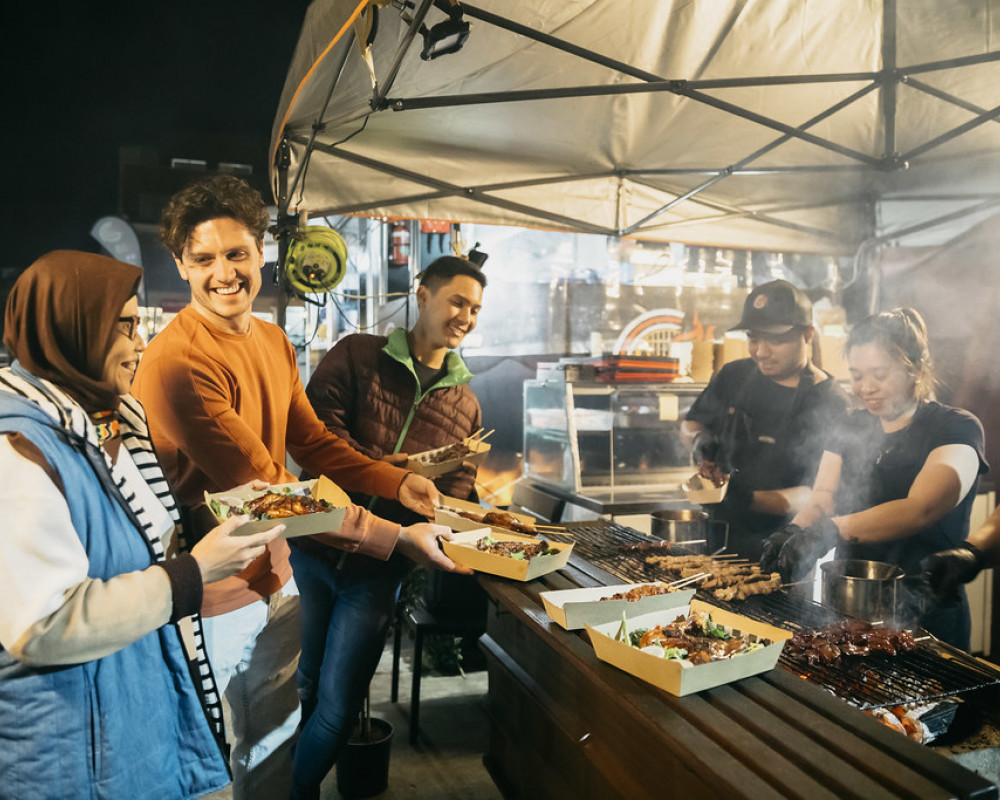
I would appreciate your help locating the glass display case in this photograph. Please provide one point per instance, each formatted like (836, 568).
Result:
(599, 437)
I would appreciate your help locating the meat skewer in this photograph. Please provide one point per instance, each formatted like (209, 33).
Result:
(730, 580)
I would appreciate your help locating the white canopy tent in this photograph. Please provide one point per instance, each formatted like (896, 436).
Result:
(780, 125)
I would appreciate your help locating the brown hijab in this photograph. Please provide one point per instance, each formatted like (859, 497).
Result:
(61, 317)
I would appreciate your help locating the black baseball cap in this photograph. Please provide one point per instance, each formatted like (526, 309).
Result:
(775, 307)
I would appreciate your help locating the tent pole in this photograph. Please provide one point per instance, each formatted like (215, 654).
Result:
(947, 97)
(300, 175)
(450, 189)
(378, 100)
(889, 78)
(932, 223)
(986, 116)
(725, 173)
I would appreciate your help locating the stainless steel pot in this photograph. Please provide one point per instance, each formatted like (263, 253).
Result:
(691, 527)
(868, 590)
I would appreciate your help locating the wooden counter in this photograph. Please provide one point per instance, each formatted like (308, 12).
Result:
(564, 724)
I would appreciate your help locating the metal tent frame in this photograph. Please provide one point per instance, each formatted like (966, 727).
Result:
(655, 223)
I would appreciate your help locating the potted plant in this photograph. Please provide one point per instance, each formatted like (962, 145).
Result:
(363, 769)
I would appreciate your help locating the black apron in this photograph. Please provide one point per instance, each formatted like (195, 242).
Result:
(754, 448)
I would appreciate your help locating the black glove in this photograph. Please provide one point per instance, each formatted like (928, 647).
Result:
(773, 545)
(946, 570)
(705, 447)
(804, 546)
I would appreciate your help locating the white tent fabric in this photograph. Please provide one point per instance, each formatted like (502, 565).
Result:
(783, 125)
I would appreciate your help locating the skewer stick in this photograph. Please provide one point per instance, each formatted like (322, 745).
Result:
(482, 437)
(556, 528)
(474, 435)
(688, 580)
(797, 583)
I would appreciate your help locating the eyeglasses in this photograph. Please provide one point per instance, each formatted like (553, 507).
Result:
(127, 326)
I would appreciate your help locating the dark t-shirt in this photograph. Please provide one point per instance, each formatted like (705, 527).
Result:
(772, 437)
(428, 376)
(879, 467)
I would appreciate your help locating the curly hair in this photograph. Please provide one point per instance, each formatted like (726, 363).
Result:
(902, 333)
(210, 198)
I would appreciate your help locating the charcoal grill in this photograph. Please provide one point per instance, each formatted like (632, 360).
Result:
(934, 671)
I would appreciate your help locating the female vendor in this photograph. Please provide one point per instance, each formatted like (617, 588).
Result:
(897, 480)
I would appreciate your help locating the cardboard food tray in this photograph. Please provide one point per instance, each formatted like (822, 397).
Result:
(462, 550)
(421, 464)
(576, 608)
(680, 680)
(456, 522)
(304, 525)
(699, 490)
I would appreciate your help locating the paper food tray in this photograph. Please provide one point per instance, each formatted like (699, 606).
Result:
(703, 492)
(462, 550)
(321, 522)
(444, 516)
(422, 464)
(576, 608)
(670, 675)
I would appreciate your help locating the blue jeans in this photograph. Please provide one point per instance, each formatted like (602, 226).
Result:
(254, 652)
(347, 606)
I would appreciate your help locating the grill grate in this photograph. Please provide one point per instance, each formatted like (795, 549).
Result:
(935, 670)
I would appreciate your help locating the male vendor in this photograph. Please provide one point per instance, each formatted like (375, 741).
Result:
(763, 420)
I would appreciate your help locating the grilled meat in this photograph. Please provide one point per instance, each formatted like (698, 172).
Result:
(647, 590)
(500, 519)
(849, 638)
(274, 505)
(452, 451)
(525, 550)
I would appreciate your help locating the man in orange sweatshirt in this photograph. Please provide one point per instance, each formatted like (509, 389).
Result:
(224, 400)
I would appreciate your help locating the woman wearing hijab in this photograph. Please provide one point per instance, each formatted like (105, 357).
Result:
(898, 479)
(97, 695)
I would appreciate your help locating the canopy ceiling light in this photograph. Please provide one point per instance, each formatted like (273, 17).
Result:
(445, 37)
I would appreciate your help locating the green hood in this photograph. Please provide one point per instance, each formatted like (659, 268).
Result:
(398, 349)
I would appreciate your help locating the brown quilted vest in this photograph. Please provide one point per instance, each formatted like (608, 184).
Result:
(366, 391)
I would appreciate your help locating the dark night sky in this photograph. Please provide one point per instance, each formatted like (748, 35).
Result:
(81, 79)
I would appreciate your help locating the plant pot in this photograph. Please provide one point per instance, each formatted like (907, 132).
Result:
(363, 767)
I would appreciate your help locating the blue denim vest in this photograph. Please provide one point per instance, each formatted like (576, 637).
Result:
(126, 725)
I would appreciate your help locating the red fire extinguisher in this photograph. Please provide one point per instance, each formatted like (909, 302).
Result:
(399, 239)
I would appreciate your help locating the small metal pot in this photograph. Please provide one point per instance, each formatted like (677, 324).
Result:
(868, 590)
(691, 527)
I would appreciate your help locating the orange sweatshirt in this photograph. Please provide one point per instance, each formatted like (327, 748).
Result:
(223, 409)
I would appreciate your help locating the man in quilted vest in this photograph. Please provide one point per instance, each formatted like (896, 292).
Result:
(386, 396)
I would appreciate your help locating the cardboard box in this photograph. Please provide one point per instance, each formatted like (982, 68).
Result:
(321, 522)
(462, 550)
(673, 676)
(699, 490)
(576, 608)
(443, 516)
(422, 464)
